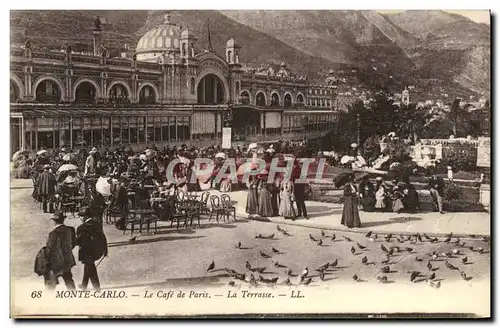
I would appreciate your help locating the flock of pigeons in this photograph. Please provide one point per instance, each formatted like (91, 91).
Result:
(390, 252)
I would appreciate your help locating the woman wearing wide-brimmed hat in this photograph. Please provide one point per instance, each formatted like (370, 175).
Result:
(350, 212)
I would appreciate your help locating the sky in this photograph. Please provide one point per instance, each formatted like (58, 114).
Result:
(478, 16)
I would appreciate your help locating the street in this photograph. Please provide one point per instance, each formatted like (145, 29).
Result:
(180, 259)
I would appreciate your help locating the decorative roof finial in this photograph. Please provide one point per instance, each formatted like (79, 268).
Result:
(167, 18)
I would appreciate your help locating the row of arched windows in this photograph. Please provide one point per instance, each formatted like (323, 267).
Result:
(260, 99)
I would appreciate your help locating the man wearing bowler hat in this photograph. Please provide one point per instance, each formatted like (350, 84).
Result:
(93, 246)
(60, 244)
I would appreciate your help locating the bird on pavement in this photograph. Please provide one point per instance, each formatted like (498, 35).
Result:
(382, 279)
(353, 250)
(259, 236)
(355, 278)
(304, 274)
(464, 260)
(133, 239)
(364, 260)
(432, 276)
(322, 276)
(368, 234)
(447, 240)
(457, 242)
(238, 245)
(418, 259)
(385, 269)
(271, 236)
(419, 238)
(333, 237)
(211, 266)
(409, 249)
(386, 260)
(285, 233)
(360, 246)
(426, 237)
(449, 235)
(273, 280)
(312, 238)
(347, 238)
(383, 248)
(373, 238)
(429, 266)
(248, 265)
(480, 250)
(320, 242)
(436, 285)
(307, 281)
(278, 228)
(450, 266)
(264, 255)
(324, 266)
(334, 264)
(322, 233)
(463, 275)
(414, 275)
(288, 272)
(275, 250)
(258, 269)
(388, 238)
(455, 251)
(434, 240)
(286, 281)
(231, 283)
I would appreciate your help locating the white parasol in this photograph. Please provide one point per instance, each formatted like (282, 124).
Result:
(40, 152)
(68, 157)
(103, 187)
(346, 159)
(354, 145)
(67, 167)
(150, 152)
(252, 146)
(220, 155)
(391, 134)
(17, 154)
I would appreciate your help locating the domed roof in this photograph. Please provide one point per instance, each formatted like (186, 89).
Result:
(162, 38)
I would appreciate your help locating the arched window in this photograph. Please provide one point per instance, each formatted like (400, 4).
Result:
(288, 101)
(85, 92)
(229, 54)
(184, 50)
(260, 99)
(14, 92)
(275, 99)
(48, 91)
(147, 95)
(300, 99)
(245, 98)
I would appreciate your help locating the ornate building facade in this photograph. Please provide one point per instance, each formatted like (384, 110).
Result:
(167, 93)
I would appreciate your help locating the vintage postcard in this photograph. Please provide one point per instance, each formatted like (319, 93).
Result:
(331, 163)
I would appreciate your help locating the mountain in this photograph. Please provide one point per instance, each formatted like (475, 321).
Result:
(433, 50)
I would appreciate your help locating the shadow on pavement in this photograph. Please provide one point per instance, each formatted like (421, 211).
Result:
(150, 240)
(390, 221)
(178, 282)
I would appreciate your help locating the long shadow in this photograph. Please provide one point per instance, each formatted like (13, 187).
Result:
(212, 280)
(390, 221)
(151, 240)
(17, 188)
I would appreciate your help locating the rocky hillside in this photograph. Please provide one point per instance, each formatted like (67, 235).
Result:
(432, 48)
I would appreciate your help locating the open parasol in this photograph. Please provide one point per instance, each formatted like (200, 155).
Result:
(67, 167)
(103, 187)
(68, 157)
(220, 155)
(41, 152)
(252, 146)
(17, 154)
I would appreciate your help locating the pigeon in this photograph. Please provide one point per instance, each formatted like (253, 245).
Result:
(457, 242)
(288, 272)
(276, 264)
(271, 236)
(390, 252)
(353, 250)
(485, 239)
(321, 276)
(355, 277)
(455, 251)
(463, 275)
(388, 238)
(307, 281)
(409, 249)
(278, 228)
(434, 240)
(383, 248)
(386, 260)
(462, 244)
(238, 245)
(248, 266)
(334, 264)
(241, 276)
(364, 260)
(324, 266)
(385, 269)
(368, 234)
(396, 249)
(322, 233)
(373, 238)
(312, 238)
(419, 238)
(429, 266)
(275, 250)
(464, 260)
(304, 273)
(382, 279)
(418, 259)
(449, 235)
(264, 255)
(286, 281)
(133, 239)
(259, 236)
(273, 280)
(285, 233)
(211, 266)
(473, 236)
(447, 240)
(432, 276)
(480, 250)
(258, 269)
(450, 266)
(333, 237)
(414, 275)
(360, 246)
(252, 280)
(434, 256)
(320, 242)
(402, 237)
(347, 238)
(264, 280)
(426, 237)
(399, 240)
(436, 285)
(471, 248)
(231, 283)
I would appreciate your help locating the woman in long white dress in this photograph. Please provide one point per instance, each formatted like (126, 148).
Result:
(286, 209)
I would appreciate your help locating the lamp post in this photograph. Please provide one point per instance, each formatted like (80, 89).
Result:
(305, 121)
(359, 129)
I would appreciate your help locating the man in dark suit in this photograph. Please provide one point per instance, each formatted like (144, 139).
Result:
(93, 246)
(60, 244)
(299, 191)
(436, 187)
(46, 188)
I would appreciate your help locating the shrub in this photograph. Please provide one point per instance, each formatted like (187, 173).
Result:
(452, 191)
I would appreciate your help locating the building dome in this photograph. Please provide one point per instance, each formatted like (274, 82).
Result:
(163, 38)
